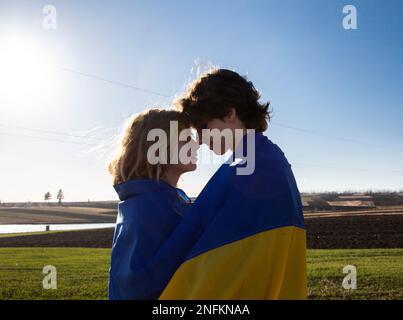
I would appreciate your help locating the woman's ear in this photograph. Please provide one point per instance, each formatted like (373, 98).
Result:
(231, 116)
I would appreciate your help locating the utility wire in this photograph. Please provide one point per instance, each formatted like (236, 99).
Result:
(45, 139)
(114, 82)
(273, 122)
(334, 137)
(322, 166)
(50, 132)
(315, 166)
(167, 96)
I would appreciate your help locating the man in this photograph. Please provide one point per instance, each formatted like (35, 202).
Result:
(244, 237)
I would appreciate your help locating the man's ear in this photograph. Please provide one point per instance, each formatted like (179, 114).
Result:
(231, 116)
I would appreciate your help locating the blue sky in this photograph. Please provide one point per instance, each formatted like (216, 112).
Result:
(318, 76)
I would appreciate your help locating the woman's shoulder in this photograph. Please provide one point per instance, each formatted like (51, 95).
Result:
(156, 202)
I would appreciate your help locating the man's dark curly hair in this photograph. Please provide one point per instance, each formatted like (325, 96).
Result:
(215, 93)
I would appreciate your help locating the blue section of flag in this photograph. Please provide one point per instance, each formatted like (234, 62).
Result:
(148, 213)
(229, 208)
(248, 204)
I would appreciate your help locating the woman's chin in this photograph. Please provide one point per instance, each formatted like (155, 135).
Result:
(190, 167)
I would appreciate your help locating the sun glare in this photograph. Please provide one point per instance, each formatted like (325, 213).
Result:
(26, 70)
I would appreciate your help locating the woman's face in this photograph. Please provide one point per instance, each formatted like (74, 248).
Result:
(187, 156)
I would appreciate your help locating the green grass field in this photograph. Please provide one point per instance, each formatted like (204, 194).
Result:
(83, 273)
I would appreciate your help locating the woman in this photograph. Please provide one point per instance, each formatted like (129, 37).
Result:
(151, 205)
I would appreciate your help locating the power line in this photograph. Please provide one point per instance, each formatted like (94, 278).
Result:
(334, 137)
(114, 82)
(315, 166)
(275, 122)
(45, 139)
(50, 132)
(319, 166)
(167, 96)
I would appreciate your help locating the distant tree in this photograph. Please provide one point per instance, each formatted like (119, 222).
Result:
(48, 196)
(60, 196)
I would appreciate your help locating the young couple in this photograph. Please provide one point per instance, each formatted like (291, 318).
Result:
(243, 237)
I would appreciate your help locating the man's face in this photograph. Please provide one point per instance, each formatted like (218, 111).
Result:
(217, 124)
(220, 139)
(222, 132)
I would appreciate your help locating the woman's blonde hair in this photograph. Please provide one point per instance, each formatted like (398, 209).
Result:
(131, 161)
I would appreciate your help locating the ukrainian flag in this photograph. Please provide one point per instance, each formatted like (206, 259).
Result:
(243, 238)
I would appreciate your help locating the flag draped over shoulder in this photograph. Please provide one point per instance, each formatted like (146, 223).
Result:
(148, 213)
(244, 237)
